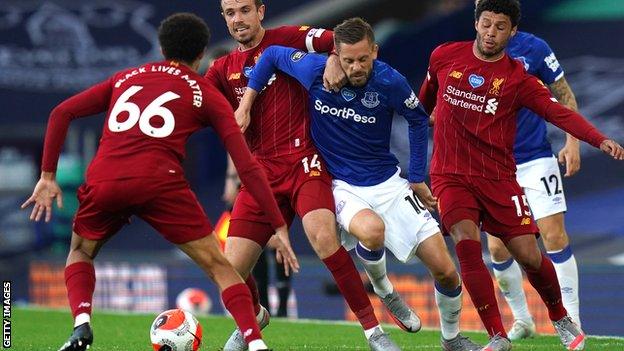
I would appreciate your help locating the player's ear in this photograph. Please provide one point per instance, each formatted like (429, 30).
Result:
(375, 51)
(514, 30)
(261, 10)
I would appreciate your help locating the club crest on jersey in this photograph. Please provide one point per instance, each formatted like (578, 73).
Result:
(370, 99)
(476, 81)
(347, 94)
(496, 86)
(297, 55)
(247, 71)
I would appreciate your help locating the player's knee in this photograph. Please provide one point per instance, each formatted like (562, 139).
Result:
(374, 241)
(447, 277)
(370, 231)
(531, 261)
(324, 242)
(499, 252)
(85, 248)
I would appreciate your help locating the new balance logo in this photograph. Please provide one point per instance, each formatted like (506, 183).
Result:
(247, 332)
(84, 304)
(492, 106)
(525, 221)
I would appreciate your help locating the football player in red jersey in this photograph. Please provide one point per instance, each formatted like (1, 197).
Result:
(152, 110)
(279, 138)
(477, 90)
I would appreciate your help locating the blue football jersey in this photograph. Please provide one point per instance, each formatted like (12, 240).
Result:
(540, 61)
(351, 129)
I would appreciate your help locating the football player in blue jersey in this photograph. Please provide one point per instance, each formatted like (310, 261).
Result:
(351, 129)
(538, 174)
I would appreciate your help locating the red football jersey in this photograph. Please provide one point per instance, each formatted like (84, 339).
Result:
(476, 103)
(280, 117)
(152, 110)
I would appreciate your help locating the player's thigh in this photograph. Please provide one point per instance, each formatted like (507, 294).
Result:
(93, 223)
(408, 223)
(456, 203)
(248, 221)
(348, 204)
(506, 210)
(176, 214)
(543, 186)
(310, 184)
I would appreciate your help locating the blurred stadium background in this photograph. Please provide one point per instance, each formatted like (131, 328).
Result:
(54, 48)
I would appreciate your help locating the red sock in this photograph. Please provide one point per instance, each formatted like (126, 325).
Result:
(80, 283)
(255, 295)
(478, 282)
(350, 285)
(544, 280)
(237, 300)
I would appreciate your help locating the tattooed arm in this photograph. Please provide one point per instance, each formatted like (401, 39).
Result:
(570, 154)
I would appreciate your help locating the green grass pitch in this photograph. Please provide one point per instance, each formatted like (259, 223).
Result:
(36, 329)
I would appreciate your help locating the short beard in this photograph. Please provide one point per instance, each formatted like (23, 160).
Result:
(485, 54)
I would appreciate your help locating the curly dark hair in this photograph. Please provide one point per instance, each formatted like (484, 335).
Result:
(183, 37)
(510, 8)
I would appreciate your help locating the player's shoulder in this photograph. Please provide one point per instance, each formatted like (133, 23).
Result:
(387, 75)
(449, 50)
(531, 41)
(224, 60)
(451, 46)
(282, 34)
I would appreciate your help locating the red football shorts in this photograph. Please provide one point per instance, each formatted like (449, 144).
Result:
(168, 205)
(300, 184)
(498, 206)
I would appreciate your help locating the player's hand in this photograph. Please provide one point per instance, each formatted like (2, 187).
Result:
(570, 155)
(284, 253)
(243, 117)
(424, 195)
(613, 149)
(334, 78)
(45, 191)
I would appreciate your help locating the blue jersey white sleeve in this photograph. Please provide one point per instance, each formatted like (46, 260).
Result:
(351, 129)
(539, 60)
(296, 63)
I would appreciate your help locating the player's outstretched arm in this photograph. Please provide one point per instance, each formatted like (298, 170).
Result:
(46, 190)
(533, 95)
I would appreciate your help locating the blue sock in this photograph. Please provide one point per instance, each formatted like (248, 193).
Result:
(448, 292)
(561, 256)
(369, 255)
(504, 265)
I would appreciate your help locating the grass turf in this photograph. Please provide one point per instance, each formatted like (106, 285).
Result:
(39, 329)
